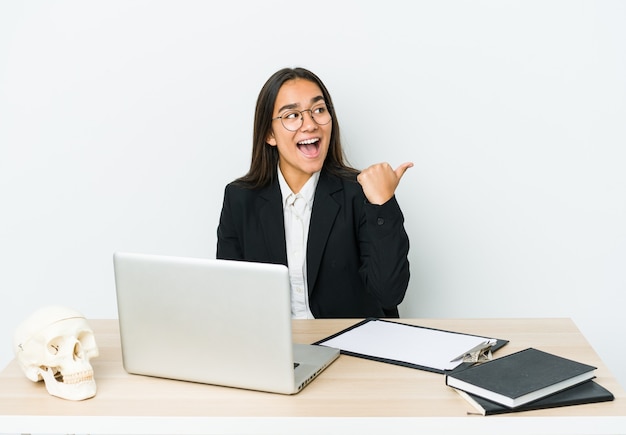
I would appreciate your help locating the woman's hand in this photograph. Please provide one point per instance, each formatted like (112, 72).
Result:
(379, 181)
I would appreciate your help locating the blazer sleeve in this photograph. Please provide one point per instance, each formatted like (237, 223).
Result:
(384, 247)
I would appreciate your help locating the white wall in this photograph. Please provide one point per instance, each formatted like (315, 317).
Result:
(121, 122)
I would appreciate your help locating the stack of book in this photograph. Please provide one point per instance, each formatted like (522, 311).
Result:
(526, 380)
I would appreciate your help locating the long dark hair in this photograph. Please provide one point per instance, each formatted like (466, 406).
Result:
(264, 164)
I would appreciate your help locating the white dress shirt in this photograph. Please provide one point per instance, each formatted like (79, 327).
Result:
(297, 214)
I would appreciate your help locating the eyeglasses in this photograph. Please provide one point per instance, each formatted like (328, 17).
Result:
(292, 120)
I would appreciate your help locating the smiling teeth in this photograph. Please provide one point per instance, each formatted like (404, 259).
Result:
(308, 141)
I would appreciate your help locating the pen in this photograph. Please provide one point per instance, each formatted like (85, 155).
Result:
(480, 346)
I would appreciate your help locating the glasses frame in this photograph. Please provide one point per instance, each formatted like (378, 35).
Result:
(302, 117)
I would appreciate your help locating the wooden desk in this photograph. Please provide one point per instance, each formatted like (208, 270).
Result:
(353, 395)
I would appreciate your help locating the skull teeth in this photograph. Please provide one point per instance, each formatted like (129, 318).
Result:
(77, 378)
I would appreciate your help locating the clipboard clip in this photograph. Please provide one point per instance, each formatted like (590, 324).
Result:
(479, 353)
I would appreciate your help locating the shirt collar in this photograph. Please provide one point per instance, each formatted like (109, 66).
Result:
(307, 191)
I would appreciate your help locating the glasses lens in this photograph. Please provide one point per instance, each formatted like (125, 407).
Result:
(292, 120)
(321, 115)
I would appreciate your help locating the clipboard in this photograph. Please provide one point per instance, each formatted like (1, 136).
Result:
(412, 346)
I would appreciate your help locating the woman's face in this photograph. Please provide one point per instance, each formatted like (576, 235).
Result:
(303, 151)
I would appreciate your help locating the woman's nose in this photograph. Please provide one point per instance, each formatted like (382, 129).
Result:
(308, 123)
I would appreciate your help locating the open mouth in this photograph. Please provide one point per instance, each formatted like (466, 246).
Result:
(309, 147)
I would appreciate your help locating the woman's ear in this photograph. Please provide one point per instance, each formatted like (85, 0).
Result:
(270, 139)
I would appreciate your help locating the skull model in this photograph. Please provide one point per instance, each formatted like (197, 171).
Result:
(55, 344)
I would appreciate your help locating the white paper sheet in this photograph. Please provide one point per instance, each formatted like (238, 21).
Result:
(416, 345)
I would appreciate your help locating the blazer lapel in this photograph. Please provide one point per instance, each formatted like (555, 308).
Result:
(270, 212)
(325, 210)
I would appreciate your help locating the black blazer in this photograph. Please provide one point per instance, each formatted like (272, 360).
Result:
(357, 263)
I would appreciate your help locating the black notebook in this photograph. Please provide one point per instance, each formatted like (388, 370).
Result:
(587, 392)
(521, 377)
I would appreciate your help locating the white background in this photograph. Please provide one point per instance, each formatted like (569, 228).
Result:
(121, 122)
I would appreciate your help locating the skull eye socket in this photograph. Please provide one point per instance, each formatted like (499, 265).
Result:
(78, 350)
(54, 345)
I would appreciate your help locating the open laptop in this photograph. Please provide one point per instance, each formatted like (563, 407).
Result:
(212, 321)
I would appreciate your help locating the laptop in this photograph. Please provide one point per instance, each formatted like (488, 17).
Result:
(219, 322)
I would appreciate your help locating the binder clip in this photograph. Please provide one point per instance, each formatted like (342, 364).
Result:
(478, 354)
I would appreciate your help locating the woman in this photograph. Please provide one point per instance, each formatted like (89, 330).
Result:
(340, 232)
